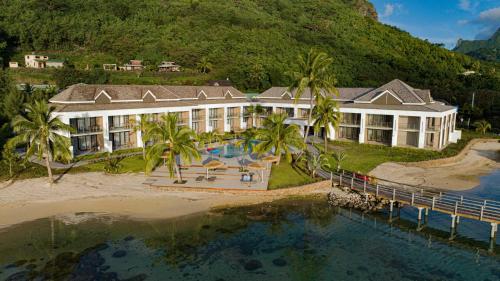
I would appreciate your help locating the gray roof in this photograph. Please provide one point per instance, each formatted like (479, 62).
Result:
(343, 93)
(397, 88)
(87, 93)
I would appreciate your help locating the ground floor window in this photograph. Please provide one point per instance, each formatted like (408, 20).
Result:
(85, 143)
(120, 140)
(214, 124)
(196, 126)
(383, 136)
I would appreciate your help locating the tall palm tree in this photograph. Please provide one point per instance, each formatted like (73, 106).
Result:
(204, 66)
(170, 141)
(254, 111)
(207, 138)
(482, 126)
(326, 113)
(278, 136)
(315, 74)
(42, 133)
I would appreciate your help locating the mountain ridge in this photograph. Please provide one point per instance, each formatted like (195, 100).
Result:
(488, 49)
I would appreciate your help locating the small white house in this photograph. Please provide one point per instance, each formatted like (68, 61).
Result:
(35, 61)
(13, 64)
(169, 66)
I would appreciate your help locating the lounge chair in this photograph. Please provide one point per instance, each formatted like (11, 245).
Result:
(211, 179)
(199, 178)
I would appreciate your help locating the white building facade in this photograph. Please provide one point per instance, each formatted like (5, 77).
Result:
(104, 116)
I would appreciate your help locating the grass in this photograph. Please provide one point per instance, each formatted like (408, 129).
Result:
(132, 164)
(365, 157)
(285, 175)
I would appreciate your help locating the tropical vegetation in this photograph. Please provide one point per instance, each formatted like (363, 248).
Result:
(279, 138)
(41, 132)
(315, 74)
(326, 115)
(482, 126)
(170, 142)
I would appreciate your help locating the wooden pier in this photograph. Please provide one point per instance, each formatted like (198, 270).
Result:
(454, 204)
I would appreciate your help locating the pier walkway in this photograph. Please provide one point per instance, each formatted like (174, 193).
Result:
(454, 204)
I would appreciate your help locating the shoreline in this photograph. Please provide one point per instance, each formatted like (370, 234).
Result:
(456, 173)
(125, 196)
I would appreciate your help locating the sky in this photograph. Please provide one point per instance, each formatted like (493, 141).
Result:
(442, 21)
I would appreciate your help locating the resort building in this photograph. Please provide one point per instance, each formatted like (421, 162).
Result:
(394, 114)
(40, 61)
(169, 66)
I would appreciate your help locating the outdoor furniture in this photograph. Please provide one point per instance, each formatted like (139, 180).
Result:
(211, 179)
(257, 166)
(199, 178)
(212, 165)
(271, 159)
(246, 177)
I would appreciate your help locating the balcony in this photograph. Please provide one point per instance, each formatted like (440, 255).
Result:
(383, 125)
(350, 123)
(121, 127)
(432, 128)
(215, 116)
(411, 127)
(87, 130)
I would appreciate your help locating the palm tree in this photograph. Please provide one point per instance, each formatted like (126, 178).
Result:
(314, 162)
(41, 132)
(339, 157)
(254, 111)
(142, 126)
(326, 113)
(278, 136)
(247, 139)
(204, 66)
(170, 141)
(482, 126)
(314, 74)
(207, 138)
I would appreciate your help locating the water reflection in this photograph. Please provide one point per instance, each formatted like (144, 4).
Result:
(285, 240)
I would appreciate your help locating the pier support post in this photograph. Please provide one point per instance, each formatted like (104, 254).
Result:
(391, 208)
(494, 229)
(458, 220)
(426, 215)
(453, 221)
(420, 209)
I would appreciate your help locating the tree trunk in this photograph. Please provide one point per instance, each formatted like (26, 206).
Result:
(177, 172)
(326, 142)
(49, 170)
(309, 117)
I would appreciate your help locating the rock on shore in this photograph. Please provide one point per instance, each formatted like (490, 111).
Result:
(347, 198)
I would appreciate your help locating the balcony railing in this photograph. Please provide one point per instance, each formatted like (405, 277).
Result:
(380, 124)
(87, 130)
(232, 115)
(410, 126)
(432, 128)
(350, 123)
(215, 116)
(125, 126)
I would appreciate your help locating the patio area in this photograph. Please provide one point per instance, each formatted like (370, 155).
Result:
(236, 173)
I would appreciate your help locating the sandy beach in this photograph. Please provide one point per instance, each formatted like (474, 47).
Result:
(480, 159)
(124, 195)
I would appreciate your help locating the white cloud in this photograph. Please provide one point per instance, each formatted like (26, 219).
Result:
(468, 5)
(489, 20)
(390, 9)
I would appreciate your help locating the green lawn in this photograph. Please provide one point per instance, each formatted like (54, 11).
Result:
(365, 157)
(285, 175)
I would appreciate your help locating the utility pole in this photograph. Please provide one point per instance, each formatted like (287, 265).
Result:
(472, 109)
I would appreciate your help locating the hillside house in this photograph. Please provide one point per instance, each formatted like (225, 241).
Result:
(133, 65)
(13, 64)
(35, 61)
(169, 66)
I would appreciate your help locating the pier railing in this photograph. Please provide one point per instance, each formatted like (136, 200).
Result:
(444, 202)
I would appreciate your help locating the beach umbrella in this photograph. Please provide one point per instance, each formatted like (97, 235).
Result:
(271, 159)
(258, 167)
(214, 164)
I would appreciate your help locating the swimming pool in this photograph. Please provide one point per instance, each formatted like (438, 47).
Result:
(230, 150)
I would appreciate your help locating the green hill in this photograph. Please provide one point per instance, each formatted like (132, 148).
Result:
(481, 49)
(252, 42)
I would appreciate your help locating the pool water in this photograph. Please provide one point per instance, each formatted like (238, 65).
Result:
(230, 150)
(299, 239)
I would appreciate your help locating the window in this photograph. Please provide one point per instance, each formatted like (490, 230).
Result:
(349, 133)
(196, 126)
(383, 136)
(213, 124)
(85, 143)
(120, 140)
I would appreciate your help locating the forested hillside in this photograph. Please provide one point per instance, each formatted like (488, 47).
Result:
(482, 49)
(253, 42)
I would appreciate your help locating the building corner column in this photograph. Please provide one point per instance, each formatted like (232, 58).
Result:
(224, 116)
(108, 145)
(207, 123)
(362, 128)
(395, 124)
(421, 132)
(243, 124)
(138, 130)
(332, 132)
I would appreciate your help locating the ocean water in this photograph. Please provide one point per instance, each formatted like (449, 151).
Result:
(302, 239)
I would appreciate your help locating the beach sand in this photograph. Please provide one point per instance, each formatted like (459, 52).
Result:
(463, 174)
(120, 195)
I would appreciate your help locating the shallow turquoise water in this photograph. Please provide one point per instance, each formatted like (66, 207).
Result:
(287, 240)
